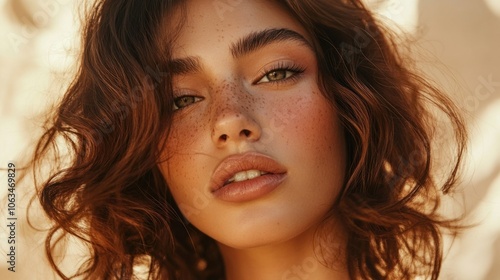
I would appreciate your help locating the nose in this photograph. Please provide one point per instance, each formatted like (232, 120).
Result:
(234, 124)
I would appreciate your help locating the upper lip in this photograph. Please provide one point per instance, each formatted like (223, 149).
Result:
(242, 162)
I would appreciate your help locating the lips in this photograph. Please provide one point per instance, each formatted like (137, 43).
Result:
(246, 176)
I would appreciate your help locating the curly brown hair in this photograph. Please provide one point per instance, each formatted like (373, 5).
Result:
(117, 112)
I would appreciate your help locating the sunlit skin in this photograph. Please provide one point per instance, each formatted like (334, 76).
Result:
(266, 101)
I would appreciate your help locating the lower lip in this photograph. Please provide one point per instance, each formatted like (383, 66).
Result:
(249, 189)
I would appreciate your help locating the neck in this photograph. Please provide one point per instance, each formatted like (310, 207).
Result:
(297, 258)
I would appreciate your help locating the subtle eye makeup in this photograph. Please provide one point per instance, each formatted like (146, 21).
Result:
(276, 74)
(183, 101)
(281, 72)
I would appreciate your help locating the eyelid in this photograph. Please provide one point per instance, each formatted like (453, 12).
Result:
(279, 65)
(179, 93)
(196, 100)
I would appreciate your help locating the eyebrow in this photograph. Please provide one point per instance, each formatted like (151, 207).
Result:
(186, 65)
(242, 47)
(260, 39)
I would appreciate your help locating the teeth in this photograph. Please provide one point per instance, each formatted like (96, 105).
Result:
(240, 176)
(245, 175)
(253, 173)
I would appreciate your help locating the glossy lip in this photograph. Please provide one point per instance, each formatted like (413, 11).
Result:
(248, 189)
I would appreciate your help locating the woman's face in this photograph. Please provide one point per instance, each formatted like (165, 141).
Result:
(248, 104)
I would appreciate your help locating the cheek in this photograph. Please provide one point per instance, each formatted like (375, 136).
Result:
(184, 133)
(309, 124)
(312, 140)
(180, 167)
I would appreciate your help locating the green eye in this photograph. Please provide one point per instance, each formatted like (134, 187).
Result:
(276, 75)
(186, 100)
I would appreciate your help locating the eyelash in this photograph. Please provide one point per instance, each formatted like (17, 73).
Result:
(178, 98)
(281, 66)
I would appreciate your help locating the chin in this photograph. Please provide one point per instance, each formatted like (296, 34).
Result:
(264, 227)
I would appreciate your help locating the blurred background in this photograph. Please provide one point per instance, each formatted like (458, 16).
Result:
(459, 41)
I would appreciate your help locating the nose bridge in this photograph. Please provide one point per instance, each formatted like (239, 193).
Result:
(232, 115)
(229, 98)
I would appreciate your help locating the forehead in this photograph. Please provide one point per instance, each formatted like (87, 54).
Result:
(209, 25)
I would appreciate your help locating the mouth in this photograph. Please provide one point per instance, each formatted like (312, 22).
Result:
(247, 176)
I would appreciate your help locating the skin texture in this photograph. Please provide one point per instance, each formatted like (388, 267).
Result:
(233, 110)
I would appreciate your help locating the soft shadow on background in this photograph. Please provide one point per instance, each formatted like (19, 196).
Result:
(38, 46)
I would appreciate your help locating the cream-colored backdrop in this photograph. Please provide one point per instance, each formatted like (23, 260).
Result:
(38, 40)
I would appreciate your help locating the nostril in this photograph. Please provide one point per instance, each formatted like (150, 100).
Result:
(223, 137)
(246, 132)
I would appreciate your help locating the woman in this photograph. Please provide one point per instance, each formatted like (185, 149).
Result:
(247, 140)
